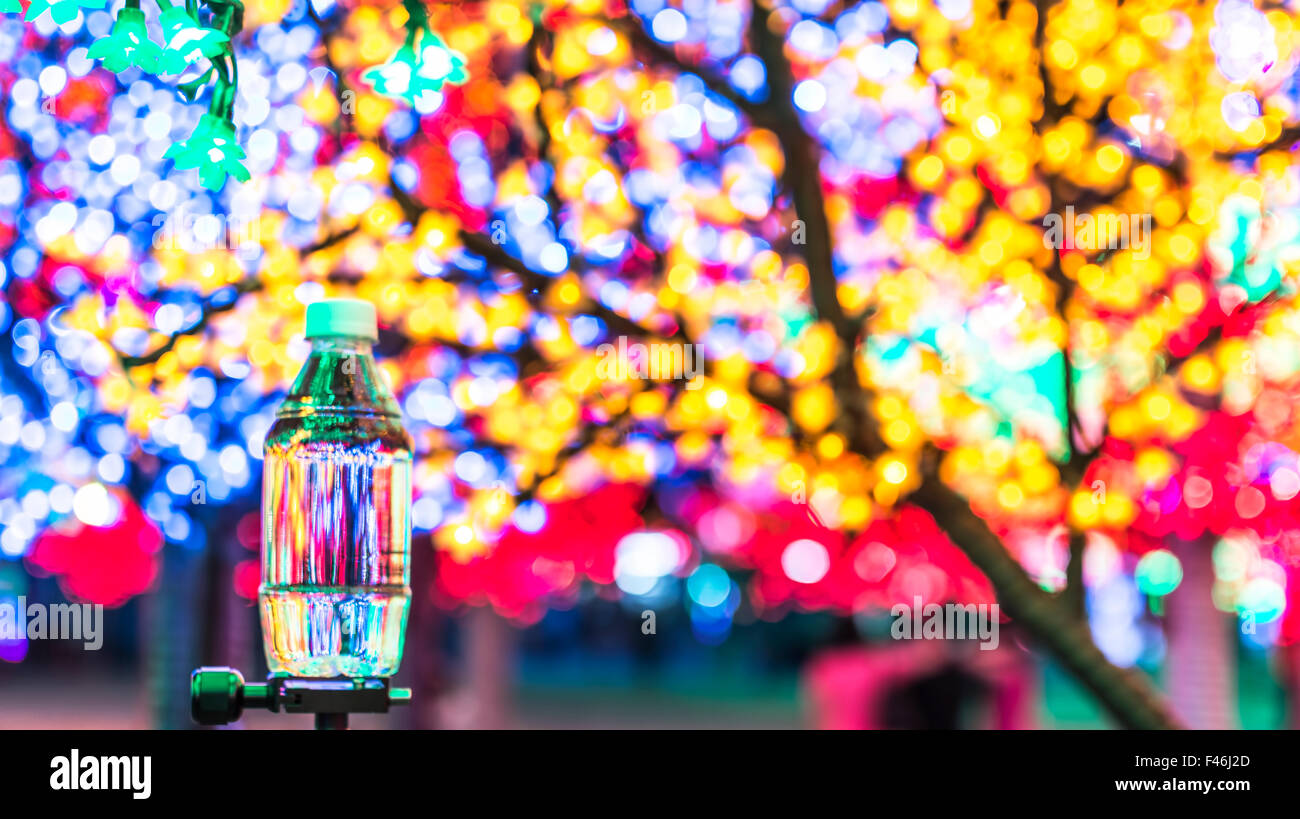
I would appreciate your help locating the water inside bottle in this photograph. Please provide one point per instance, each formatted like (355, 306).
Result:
(336, 529)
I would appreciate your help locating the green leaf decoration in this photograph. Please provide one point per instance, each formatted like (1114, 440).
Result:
(213, 150)
(187, 41)
(61, 11)
(190, 90)
(439, 64)
(408, 73)
(128, 45)
(397, 78)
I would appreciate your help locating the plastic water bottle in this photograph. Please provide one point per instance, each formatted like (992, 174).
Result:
(336, 500)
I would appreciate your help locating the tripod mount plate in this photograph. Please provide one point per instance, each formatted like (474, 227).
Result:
(219, 695)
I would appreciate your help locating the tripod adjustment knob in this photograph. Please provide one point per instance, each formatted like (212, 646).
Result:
(216, 695)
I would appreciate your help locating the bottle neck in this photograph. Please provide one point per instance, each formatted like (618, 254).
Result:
(340, 375)
(343, 345)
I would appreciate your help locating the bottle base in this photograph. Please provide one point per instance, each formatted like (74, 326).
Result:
(334, 631)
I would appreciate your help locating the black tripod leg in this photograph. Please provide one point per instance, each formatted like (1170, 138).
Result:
(331, 722)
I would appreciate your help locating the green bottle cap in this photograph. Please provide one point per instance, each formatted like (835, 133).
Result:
(342, 317)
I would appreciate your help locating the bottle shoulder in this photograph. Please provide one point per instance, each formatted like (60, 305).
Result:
(330, 427)
(343, 382)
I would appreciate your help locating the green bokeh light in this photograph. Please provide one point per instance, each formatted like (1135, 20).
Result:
(1159, 572)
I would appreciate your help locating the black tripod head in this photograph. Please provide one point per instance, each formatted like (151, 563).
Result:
(219, 695)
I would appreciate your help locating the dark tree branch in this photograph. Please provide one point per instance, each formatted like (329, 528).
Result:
(1065, 287)
(617, 323)
(1072, 599)
(1127, 695)
(659, 54)
(1052, 110)
(1074, 594)
(803, 177)
(330, 240)
(591, 434)
(247, 285)
(1285, 141)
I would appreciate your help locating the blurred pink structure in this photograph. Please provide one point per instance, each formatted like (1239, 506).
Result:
(919, 684)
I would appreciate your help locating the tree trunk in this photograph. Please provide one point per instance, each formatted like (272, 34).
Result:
(1200, 659)
(422, 667)
(1288, 657)
(489, 663)
(173, 636)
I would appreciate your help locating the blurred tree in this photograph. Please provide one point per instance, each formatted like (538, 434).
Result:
(852, 302)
